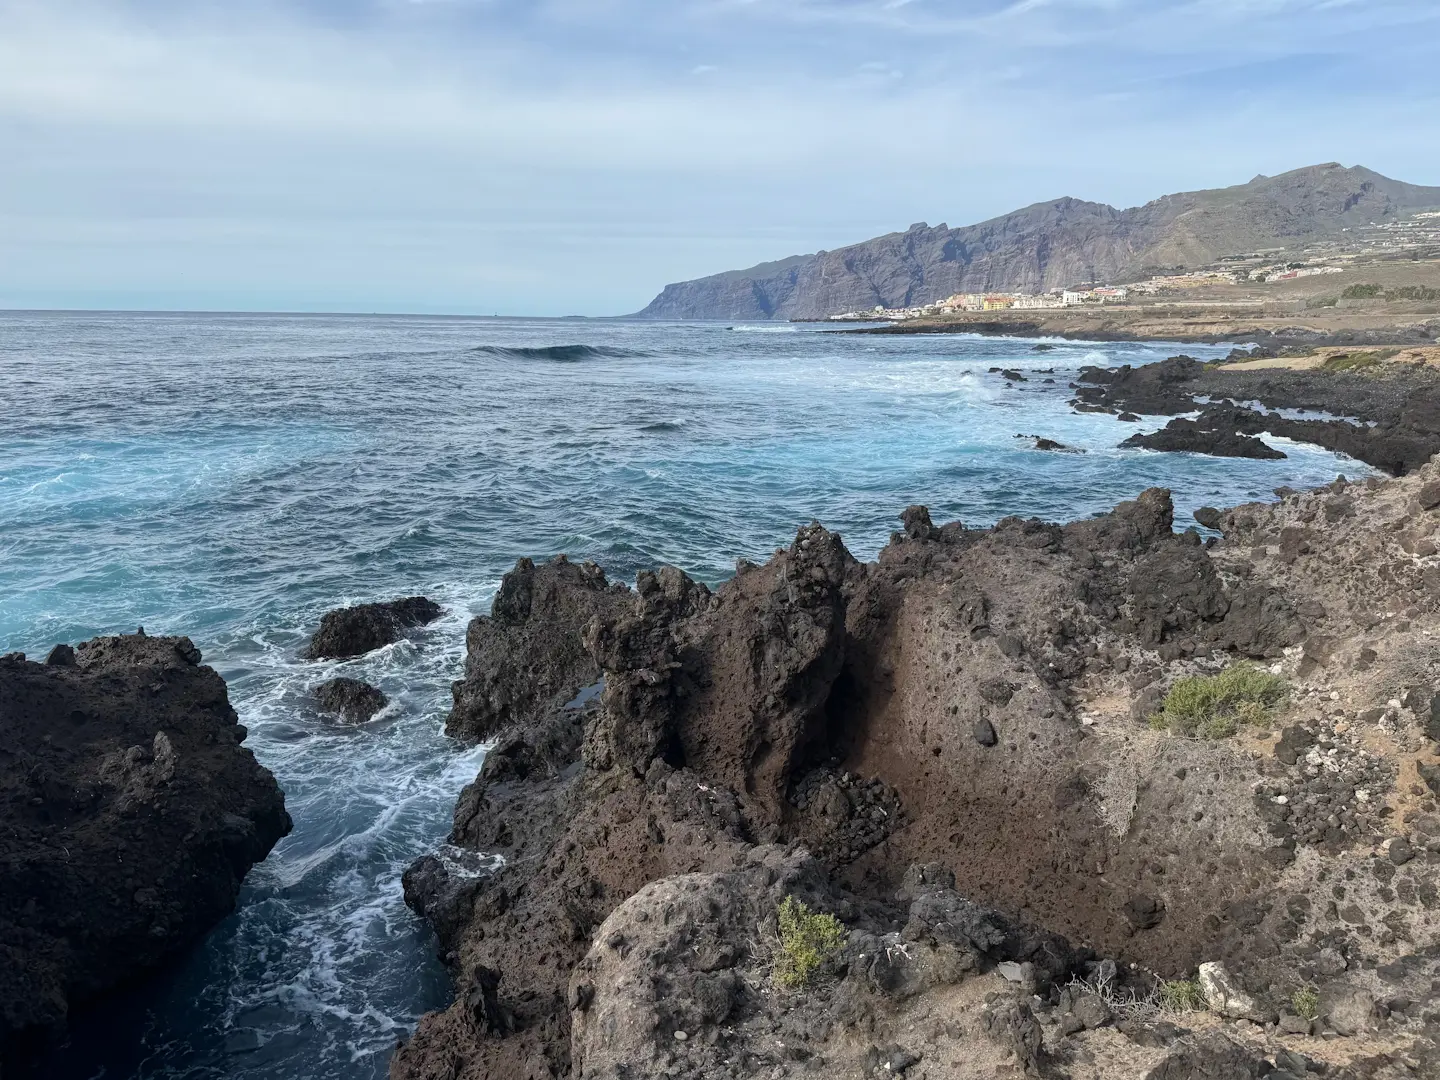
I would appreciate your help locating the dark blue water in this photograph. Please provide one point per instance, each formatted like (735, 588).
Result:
(233, 477)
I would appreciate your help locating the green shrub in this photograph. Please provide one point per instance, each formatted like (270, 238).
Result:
(1322, 302)
(1306, 1002)
(1413, 292)
(1357, 361)
(807, 940)
(1361, 292)
(1215, 706)
(1183, 995)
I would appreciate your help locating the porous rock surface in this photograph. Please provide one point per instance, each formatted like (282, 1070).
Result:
(362, 628)
(131, 814)
(948, 749)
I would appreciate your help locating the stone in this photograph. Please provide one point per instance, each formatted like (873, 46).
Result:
(1429, 495)
(1348, 1010)
(356, 630)
(1226, 997)
(1209, 517)
(61, 656)
(1091, 1010)
(984, 732)
(1144, 912)
(350, 699)
(1292, 1024)
(1401, 851)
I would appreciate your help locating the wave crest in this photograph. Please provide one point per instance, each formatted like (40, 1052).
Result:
(559, 354)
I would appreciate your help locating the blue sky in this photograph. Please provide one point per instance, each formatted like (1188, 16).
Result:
(573, 156)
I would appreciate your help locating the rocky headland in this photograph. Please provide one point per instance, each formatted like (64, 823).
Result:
(970, 762)
(131, 815)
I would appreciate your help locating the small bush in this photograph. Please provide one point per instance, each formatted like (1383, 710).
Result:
(1306, 1002)
(1361, 292)
(1323, 302)
(807, 940)
(1214, 706)
(1357, 361)
(1413, 292)
(1183, 995)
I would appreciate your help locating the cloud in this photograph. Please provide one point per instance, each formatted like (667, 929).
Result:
(564, 155)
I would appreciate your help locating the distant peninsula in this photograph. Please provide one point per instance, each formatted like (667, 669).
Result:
(1066, 243)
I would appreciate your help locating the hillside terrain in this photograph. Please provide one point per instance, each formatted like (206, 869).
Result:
(1053, 245)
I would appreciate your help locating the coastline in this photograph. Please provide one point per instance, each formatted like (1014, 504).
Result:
(952, 749)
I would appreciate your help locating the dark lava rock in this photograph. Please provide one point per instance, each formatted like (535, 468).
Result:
(353, 631)
(63, 656)
(351, 699)
(1057, 447)
(1401, 851)
(1209, 517)
(1294, 741)
(132, 814)
(527, 656)
(1181, 435)
(1128, 417)
(984, 732)
(1212, 1056)
(1144, 912)
(1429, 495)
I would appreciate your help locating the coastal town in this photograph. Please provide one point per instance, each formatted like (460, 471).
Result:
(1413, 239)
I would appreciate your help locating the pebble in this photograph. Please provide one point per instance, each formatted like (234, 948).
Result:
(681, 1036)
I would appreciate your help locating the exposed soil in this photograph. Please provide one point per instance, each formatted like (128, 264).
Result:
(948, 749)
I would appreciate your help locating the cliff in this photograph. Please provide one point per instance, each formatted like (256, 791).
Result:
(1049, 245)
(953, 750)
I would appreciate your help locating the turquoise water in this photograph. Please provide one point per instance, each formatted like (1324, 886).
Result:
(233, 477)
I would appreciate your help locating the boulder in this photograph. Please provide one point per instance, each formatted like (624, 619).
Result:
(1226, 997)
(350, 699)
(1347, 1010)
(132, 814)
(354, 631)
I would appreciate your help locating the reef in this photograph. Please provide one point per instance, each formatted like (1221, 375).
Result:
(132, 814)
(960, 752)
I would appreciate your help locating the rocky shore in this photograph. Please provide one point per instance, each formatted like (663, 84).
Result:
(961, 753)
(131, 815)
(1388, 416)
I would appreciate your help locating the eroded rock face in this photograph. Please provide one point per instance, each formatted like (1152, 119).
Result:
(949, 750)
(354, 631)
(131, 814)
(527, 655)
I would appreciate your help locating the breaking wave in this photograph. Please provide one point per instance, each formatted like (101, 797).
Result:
(559, 354)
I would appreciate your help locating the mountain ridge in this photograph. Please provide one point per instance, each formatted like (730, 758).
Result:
(1049, 245)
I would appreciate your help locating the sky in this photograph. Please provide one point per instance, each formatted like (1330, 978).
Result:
(558, 157)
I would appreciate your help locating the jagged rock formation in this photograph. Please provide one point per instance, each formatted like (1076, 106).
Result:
(948, 750)
(1392, 419)
(1049, 245)
(354, 631)
(131, 814)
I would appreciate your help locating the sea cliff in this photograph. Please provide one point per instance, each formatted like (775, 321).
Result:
(974, 753)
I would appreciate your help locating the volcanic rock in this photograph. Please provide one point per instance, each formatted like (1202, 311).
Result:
(356, 630)
(131, 815)
(352, 700)
(527, 656)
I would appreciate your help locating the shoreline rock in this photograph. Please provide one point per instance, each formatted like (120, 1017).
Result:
(949, 750)
(362, 628)
(132, 813)
(352, 700)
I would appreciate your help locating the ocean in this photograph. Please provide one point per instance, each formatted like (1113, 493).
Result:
(232, 477)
